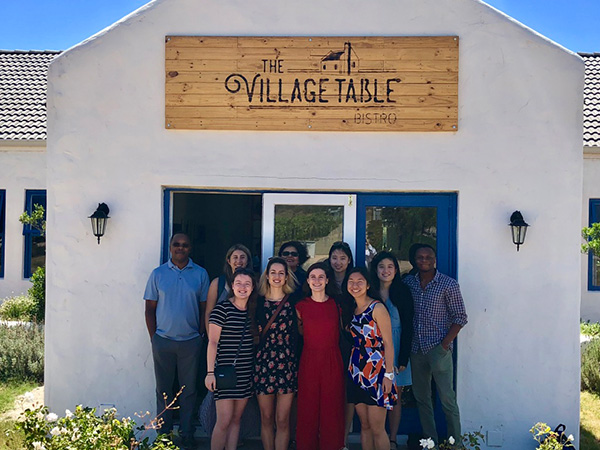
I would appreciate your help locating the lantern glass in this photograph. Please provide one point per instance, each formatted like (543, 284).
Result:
(518, 233)
(98, 225)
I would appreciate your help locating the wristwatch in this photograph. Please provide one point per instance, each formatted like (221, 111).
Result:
(389, 375)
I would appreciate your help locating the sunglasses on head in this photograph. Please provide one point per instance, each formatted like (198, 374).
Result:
(294, 254)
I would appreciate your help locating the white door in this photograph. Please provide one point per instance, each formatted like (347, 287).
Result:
(316, 220)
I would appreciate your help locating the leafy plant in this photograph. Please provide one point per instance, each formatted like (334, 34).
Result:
(590, 366)
(20, 307)
(590, 329)
(83, 429)
(550, 440)
(37, 293)
(37, 219)
(22, 352)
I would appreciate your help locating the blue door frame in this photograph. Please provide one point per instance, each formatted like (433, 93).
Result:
(446, 220)
(446, 205)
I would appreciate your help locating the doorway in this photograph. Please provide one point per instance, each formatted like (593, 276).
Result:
(369, 223)
(214, 221)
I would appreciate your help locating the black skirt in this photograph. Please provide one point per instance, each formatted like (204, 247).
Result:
(355, 394)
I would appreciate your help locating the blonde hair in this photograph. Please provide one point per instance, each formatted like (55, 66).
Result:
(290, 285)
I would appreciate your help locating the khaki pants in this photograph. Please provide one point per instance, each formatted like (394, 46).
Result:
(436, 364)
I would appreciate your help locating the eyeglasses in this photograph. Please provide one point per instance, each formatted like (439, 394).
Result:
(180, 244)
(294, 254)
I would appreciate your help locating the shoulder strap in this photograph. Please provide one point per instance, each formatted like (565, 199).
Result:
(241, 340)
(273, 317)
(221, 286)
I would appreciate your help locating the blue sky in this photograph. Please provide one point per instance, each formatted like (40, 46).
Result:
(60, 24)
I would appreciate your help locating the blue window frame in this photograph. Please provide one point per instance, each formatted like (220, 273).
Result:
(35, 243)
(593, 260)
(2, 229)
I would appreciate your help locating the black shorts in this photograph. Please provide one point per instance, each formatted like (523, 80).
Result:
(355, 394)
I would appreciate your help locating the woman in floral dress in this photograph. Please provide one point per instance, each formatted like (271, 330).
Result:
(276, 373)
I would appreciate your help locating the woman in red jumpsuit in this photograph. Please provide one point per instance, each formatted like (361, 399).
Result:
(321, 396)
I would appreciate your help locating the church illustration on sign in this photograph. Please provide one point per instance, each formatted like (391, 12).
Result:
(340, 62)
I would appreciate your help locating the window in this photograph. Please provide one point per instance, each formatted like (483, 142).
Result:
(35, 243)
(2, 229)
(594, 260)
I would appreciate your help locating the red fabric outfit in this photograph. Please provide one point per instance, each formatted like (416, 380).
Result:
(320, 378)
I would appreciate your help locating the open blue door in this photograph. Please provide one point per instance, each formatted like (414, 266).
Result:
(394, 222)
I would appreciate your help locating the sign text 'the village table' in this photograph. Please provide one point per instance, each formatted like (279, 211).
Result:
(312, 83)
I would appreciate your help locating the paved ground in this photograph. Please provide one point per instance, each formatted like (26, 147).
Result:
(254, 444)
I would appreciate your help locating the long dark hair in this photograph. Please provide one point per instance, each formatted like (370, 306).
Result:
(252, 300)
(401, 298)
(330, 287)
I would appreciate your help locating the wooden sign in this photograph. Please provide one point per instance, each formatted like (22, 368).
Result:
(312, 83)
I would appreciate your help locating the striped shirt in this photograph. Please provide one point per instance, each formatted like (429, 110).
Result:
(437, 307)
(232, 322)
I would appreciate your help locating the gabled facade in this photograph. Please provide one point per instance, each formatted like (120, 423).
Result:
(517, 146)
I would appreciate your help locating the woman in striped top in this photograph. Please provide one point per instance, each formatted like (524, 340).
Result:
(232, 327)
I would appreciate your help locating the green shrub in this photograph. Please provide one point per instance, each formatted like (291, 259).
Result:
(20, 307)
(22, 352)
(590, 367)
(83, 429)
(37, 293)
(590, 329)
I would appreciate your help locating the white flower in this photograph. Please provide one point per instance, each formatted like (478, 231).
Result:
(571, 438)
(55, 431)
(451, 440)
(68, 414)
(51, 417)
(28, 397)
(427, 443)
(37, 445)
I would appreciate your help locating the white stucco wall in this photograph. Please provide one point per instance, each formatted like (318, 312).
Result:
(22, 168)
(590, 300)
(518, 147)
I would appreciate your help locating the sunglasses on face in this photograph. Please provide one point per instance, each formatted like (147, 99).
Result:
(294, 254)
(180, 244)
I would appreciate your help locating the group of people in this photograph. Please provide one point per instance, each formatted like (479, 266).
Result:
(313, 346)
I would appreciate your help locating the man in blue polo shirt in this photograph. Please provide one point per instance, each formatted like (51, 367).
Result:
(175, 299)
(439, 316)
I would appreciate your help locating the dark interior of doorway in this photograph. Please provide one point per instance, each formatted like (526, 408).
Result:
(216, 221)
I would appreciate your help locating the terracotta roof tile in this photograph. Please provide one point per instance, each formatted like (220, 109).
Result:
(23, 83)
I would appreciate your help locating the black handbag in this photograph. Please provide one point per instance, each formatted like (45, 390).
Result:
(225, 374)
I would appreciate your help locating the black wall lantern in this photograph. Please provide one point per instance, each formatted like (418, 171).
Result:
(518, 227)
(99, 220)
